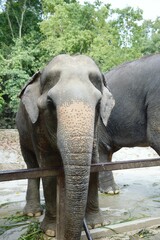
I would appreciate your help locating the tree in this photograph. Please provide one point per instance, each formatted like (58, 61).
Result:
(69, 28)
(33, 31)
(18, 18)
(151, 42)
(19, 53)
(90, 29)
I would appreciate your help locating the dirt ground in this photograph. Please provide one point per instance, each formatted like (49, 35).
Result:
(139, 198)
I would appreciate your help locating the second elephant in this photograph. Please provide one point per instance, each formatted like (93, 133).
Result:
(135, 118)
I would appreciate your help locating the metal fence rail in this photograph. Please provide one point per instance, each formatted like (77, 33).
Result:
(10, 175)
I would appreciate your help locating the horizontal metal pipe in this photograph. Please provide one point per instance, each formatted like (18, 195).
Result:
(127, 164)
(10, 175)
(19, 174)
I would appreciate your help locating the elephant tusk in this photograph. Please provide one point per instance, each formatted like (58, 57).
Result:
(86, 230)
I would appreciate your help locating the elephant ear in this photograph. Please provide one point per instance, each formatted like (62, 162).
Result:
(107, 103)
(29, 96)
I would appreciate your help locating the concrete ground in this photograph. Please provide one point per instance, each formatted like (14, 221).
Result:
(133, 214)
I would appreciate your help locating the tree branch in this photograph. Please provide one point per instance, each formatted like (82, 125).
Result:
(22, 18)
(9, 21)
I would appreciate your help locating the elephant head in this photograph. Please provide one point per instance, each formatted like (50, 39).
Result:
(68, 96)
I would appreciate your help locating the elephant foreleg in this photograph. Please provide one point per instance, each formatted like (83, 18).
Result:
(106, 179)
(107, 183)
(93, 216)
(48, 224)
(33, 206)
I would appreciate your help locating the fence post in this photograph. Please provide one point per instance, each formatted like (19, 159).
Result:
(60, 207)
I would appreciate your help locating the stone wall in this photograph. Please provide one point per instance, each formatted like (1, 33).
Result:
(11, 158)
(10, 153)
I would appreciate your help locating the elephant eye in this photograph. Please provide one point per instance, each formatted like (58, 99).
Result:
(51, 104)
(95, 80)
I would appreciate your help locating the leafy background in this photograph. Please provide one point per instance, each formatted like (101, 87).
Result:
(34, 31)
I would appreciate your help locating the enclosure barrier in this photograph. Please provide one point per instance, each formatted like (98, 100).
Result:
(10, 175)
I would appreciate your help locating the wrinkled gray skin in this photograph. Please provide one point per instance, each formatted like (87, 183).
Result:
(135, 118)
(57, 120)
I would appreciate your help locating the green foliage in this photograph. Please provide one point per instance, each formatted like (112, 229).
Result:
(32, 32)
(17, 218)
(1, 97)
(144, 233)
(18, 18)
(33, 232)
(16, 68)
(13, 73)
(14, 221)
(151, 44)
(126, 23)
(68, 29)
(89, 29)
(32, 226)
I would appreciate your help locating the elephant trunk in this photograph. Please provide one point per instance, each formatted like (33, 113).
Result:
(76, 199)
(75, 141)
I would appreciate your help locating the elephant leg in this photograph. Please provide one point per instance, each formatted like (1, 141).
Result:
(94, 215)
(107, 183)
(48, 224)
(106, 179)
(153, 129)
(33, 206)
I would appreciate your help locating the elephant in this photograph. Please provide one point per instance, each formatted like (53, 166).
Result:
(57, 120)
(135, 117)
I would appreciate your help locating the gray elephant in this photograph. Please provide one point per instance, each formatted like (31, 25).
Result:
(135, 118)
(57, 120)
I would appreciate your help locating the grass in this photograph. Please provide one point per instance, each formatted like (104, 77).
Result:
(33, 232)
(32, 225)
(144, 233)
(17, 218)
(13, 221)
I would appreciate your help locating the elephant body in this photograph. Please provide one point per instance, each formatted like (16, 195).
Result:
(135, 118)
(57, 121)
